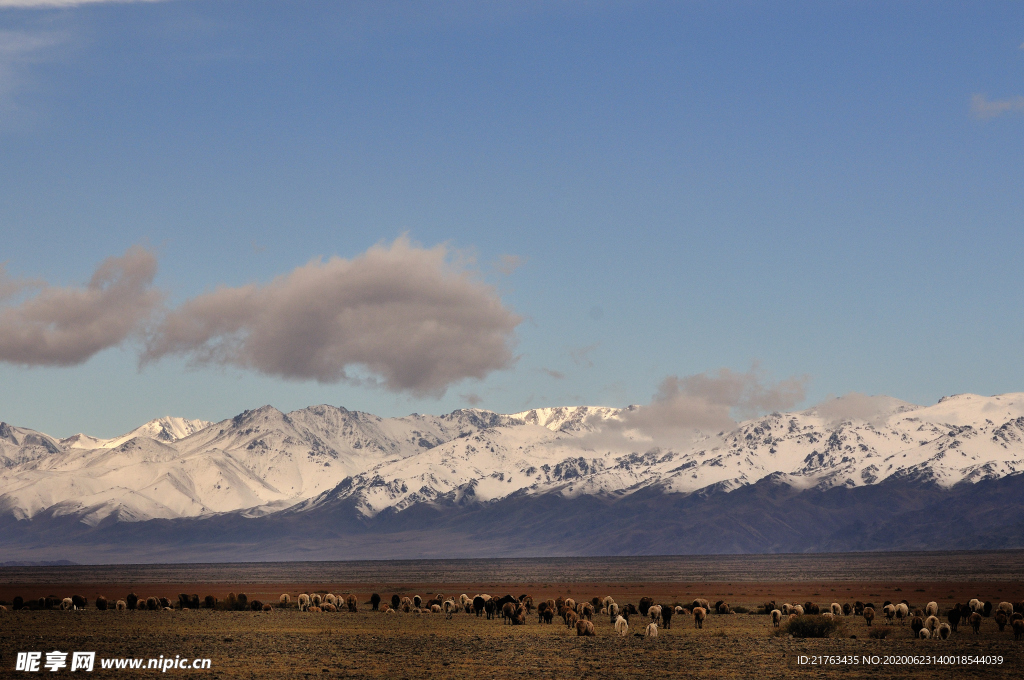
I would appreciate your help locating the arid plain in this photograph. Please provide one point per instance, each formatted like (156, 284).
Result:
(294, 644)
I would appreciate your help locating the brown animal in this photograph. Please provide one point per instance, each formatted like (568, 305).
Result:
(975, 622)
(916, 624)
(699, 613)
(1018, 629)
(571, 618)
(584, 627)
(869, 615)
(353, 603)
(1001, 619)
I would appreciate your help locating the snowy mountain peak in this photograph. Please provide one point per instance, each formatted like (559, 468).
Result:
(567, 418)
(167, 429)
(262, 460)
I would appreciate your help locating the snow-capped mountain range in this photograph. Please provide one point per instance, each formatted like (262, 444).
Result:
(263, 461)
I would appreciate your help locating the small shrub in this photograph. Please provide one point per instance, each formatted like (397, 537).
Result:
(812, 627)
(878, 633)
(740, 609)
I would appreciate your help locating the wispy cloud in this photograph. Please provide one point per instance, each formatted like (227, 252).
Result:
(710, 401)
(18, 49)
(858, 406)
(48, 4)
(581, 355)
(409, 315)
(984, 108)
(703, 403)
(66, 326)
(557, 375)
(509, 263)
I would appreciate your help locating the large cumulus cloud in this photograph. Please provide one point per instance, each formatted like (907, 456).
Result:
(65, 326)
(406, 314)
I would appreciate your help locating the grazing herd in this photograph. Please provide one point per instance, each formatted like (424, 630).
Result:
(924, 622)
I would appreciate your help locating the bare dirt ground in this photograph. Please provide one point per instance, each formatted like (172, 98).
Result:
(292, 644)
(287, 643)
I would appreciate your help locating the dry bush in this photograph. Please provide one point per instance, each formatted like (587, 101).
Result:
(812, 627)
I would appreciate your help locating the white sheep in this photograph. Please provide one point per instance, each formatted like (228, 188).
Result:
(828, 615)
(787, 608)
(613, 610)
(932, 623)
(902, 612)
(655, 612)
(121, 606)
(931, 609)
(465, 601)
(303, 601)
(924, 633)
(837, 609)
(66, 604)
(608, 601)
(776, 618)
(975, 605)
(621, 626)
(890, 613)
(285, 599)
(316, 600)
(652, 630)
(1006, 607)
(798, 609)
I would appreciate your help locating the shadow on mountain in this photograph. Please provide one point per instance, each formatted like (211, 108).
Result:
(898, 514)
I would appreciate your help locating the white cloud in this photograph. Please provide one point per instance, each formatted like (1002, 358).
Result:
(709, 401)
(984, 108)
(415, 317)
(47, 4)
(67, 326)
(17, 49)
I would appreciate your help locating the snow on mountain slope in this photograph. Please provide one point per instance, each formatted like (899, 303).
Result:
(568, 418)
(20, 446)
(163, 429)
(264, 460)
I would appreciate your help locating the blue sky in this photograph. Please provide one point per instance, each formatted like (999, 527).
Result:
(832, 191)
